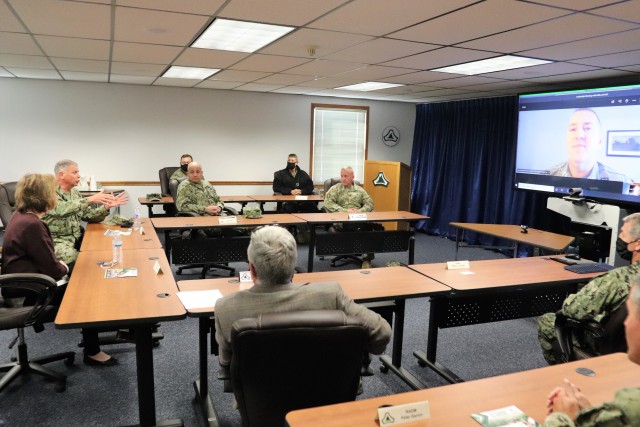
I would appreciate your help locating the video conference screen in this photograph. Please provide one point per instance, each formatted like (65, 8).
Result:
(587, 139)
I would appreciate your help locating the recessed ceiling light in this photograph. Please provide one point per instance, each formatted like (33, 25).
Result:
(369, 86)
(501, 63)
(194, 73)
(239, 36)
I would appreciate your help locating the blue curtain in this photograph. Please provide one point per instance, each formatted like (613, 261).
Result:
(463, 163)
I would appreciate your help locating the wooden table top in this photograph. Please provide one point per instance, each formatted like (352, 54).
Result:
(95, 240)
(145, 201)
(375, 284)
(214, 221)
(451, 405)
(287, 198)
(505, 272)
(91, 300)
(390, 216)
(539, 238)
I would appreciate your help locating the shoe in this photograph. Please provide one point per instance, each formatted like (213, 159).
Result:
(92, 362)
(366, 264)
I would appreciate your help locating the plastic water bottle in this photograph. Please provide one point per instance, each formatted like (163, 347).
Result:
(136, 219)
(117, 247)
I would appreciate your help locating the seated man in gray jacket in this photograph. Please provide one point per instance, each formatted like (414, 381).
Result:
(272, 258)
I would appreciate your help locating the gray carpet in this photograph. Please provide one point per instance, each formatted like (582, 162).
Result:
(108, 396)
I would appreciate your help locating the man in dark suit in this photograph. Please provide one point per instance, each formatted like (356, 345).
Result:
(272, 258)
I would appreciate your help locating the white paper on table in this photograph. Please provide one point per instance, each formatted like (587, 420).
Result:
(199, 299)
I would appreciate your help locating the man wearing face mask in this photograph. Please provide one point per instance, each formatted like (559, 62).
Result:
(602, 295)
(294, 181)
(181, 174)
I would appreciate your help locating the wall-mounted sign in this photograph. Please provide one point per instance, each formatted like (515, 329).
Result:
(390, 136)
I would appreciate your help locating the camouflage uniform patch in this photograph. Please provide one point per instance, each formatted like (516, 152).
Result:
(341, 198)
(623, 411)
(596, 300)
(65, 221)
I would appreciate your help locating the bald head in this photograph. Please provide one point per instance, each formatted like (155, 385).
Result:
(194, 172)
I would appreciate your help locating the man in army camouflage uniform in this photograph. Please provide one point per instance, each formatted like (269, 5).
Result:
(65, 220)
(568, 407)
(196, 195)
(600, 296)
(350, 198)
(181, 173)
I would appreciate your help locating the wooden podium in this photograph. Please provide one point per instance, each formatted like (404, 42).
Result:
(389, 185)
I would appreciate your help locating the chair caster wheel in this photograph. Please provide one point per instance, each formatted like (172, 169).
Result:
(384, 369)
(422, 364)
(60, 387)
(69, 360)
(156, 343)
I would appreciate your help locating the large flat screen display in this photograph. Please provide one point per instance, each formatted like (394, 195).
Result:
(587, 139)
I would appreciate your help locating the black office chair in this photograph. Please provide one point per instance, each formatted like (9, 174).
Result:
(578, 340)
(164, 175)
(7, 201)
(286, 361)
(342, 260)
(188, 234)
(13, 316)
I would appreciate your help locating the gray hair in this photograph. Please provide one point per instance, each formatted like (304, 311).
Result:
(348, 169)
(634, 295)
(634, 230)
(62, 165)
(273, 253)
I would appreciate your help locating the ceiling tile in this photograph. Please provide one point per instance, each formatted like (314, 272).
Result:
(137, 69)
(5, 73)
(215, 84)
(628, 11)
(271, 63)
(540, 70)
(363, 16)
(324, 42)
(283, 12)
(439, 58)
(156, 27)
(380, 50)
(167, 81)
(68, 47)
(145, 53)
(199, 7)
(322, 68)
(295, 90)
(256, 87)
(284, 79)
(550, 32)
(65, 18)
(574, 4)
(81, 65)
(32, 73)
(616, 60)
(8, 21)
(129, 79)
(419, 77)
(375, 72)
(21, 44)
(587, 75)
(238, 76)
(85, 77)
(25, 61)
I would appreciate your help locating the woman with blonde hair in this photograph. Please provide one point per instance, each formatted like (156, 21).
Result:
(28, 248)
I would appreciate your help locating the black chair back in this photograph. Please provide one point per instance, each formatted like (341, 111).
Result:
(7, 201)
(165, 174)
(286, 361)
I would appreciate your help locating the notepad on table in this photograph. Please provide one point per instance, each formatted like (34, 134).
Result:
(199, 299)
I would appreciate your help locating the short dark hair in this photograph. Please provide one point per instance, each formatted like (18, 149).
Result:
(293, 155)
(186, 155)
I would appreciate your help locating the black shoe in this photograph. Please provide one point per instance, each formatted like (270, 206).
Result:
(92, 362)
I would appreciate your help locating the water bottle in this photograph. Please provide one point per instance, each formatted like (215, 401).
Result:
(117, 247)
(136, 219)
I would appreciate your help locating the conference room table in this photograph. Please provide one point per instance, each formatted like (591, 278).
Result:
(93, 301)
(319, 219)
(491, 291)
(151, 203)
(96, 240)
(452, 405)
(168, 224)
(286, 198)
(514, 233)
(364, 286)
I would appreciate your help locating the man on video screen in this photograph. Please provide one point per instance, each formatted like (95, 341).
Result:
(584, 140)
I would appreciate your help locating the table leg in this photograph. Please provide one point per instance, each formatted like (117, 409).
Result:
(312, 248)
(394, 364)
(146, 387)
(167, 244)
(201, 386)
(458, 238)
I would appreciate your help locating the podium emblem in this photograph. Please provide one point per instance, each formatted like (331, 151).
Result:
(381, 180)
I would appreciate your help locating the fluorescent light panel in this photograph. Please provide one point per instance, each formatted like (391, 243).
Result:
(369, 86)
(194, 73)
(501, 63)
(239, 36)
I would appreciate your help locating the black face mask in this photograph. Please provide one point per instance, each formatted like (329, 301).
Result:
(623, 252)
(184, 168)
(291, 166)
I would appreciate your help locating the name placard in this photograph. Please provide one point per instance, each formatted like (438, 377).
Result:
(401, 414)
(157, 268)
(302, 198)
(357, 216)
(228, 220)
(245, 276)
(457, 265)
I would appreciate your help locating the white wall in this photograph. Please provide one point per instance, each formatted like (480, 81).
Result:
(126, 132)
